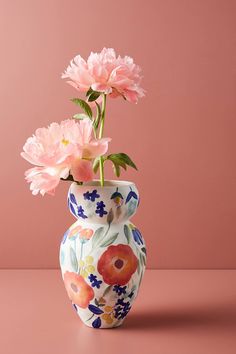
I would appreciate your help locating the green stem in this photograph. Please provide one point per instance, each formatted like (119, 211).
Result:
(103, 116)
(101, 170)
(101, 160)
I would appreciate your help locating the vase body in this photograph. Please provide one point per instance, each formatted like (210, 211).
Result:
(102, 255)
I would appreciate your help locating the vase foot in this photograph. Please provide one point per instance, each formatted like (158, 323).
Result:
(115, 325)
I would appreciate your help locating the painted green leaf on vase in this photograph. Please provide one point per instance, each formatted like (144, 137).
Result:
(110, 216)
(110, 240)
(97, 236)
(143, 259)
(140, 279)
(127, 233)
(139, 265)
(106, 291)
(73, 260)
(143, 249)
(132, 206)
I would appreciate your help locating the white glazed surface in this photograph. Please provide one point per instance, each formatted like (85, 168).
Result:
(103, 245)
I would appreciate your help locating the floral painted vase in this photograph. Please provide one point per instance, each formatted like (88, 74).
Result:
(102, 255)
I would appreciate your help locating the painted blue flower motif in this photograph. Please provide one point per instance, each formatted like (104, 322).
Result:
(100, 209)
(72, 198)
(131, 195)
(119, 289)
(122, 308)
(94, 282)
(137, 236)
(95, 309)
(91, 196)
(80, 212)
(97, 323)
(117, 198)
(72, 209)
(72, 203)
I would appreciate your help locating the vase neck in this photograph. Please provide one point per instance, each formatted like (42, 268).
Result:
(103, 205)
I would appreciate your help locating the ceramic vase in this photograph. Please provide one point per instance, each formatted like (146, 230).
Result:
(102, 255)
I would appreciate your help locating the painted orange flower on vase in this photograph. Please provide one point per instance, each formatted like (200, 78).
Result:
(117, 264)
(79, 292)
(77, 231)
(85, 234)
(73, 231)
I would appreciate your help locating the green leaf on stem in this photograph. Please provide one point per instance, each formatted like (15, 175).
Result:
(116, 169)
(125, 159)
(90, 90)
(84, 105)
(80, 116)
(94, 96)
(98, 116)
(120, 160)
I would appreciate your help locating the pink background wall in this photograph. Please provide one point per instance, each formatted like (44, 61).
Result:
(182, 135)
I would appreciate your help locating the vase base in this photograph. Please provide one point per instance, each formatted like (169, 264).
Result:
(104, 327)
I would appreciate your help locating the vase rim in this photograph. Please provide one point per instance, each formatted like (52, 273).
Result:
(107, 183)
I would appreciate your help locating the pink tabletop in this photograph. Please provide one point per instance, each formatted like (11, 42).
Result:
(177, 312)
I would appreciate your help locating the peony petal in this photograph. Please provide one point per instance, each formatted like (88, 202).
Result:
(86, 129)
(131, 96)
(81, 170)
(96, 148)
(45, 179)
(101, 88)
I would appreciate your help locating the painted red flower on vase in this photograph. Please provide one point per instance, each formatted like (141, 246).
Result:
(79, 292)
(117, 264)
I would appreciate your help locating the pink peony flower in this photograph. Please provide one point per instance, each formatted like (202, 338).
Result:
(59, 150)
(105, 72)
(50, 146)
(44, 179)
